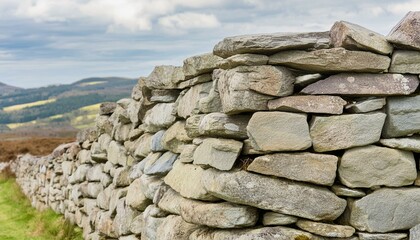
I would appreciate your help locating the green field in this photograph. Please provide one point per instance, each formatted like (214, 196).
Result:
(19, 221)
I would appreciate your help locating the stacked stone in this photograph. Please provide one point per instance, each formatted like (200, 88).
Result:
(277, 136)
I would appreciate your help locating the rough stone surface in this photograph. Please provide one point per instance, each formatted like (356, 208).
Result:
(346, 131)
(174, 228)
(332, 60)
(279, 131)
(176, 137)
(135, 197)
(207, 77)
(248, 189)
(107, 108)
(164, 77)
(403, 116)
(160, 116)
(189, 103)
(367, 105)
(305, 80)
(168, 200)
(382, 236)
(188, 185)
(270, 43)
(218, 215)
(406, 33)
(161, 165)
(354, 37)
(196, 65)
(269, 80)
(234, 86)
(371, 166)
(408, 144)
(164, 95)
(247, 59)
(306, 167)
(326, 230)
(266, 233)
(343, 191)
(222, 125)
(274, 219)
(404, 61)
(365, 84)
(218, 153)
(308, 104)
(386, 210)
(415, 232)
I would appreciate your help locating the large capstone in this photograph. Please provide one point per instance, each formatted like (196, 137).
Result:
(332, 60)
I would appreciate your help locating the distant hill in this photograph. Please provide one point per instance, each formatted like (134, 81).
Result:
(73, 104)
(7, 89)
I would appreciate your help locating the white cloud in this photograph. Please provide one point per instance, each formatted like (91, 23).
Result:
(189, 20)
(404, 7)
(131, 15)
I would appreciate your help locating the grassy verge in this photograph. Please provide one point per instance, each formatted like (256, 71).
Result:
(19, 221)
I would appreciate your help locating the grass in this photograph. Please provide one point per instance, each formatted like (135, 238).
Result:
(19, 221)
(26, 105)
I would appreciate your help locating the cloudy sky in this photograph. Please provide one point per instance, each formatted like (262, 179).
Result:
(46, 42)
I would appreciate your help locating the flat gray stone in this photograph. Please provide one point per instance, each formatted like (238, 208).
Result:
(386, 210)
(247, 59)
(408, 144)
(270, 43)
(305, 80)
(354, 37)
(160, 117)
(188, 103)
(367, 105)
(279, 131)
(308, 104)
(161, 165)
(364, 84)
(117, 153)
(218, 215)
(188, 185)
(403, 116)
(197, 65)
(174, 228)
(250, 189)
(212, 102)
(269, 80)
(346, 131)
(222, 125)
(326, 230)
(207, 77)
(157, 141)
(218, 153)
(332, 60)
(276, 219)
(382, 236)
(370, 166)
(307, 167)
(164, 77)
(266, 233)
(415, 232)
(406, 33)
(176, 137)
(405, 61)
(234, 86)
(343, 191)
(135, 197)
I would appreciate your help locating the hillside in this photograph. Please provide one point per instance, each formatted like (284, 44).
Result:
(60, 105)
(7, 89)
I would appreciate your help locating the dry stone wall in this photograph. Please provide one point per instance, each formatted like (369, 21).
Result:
(276, 136)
